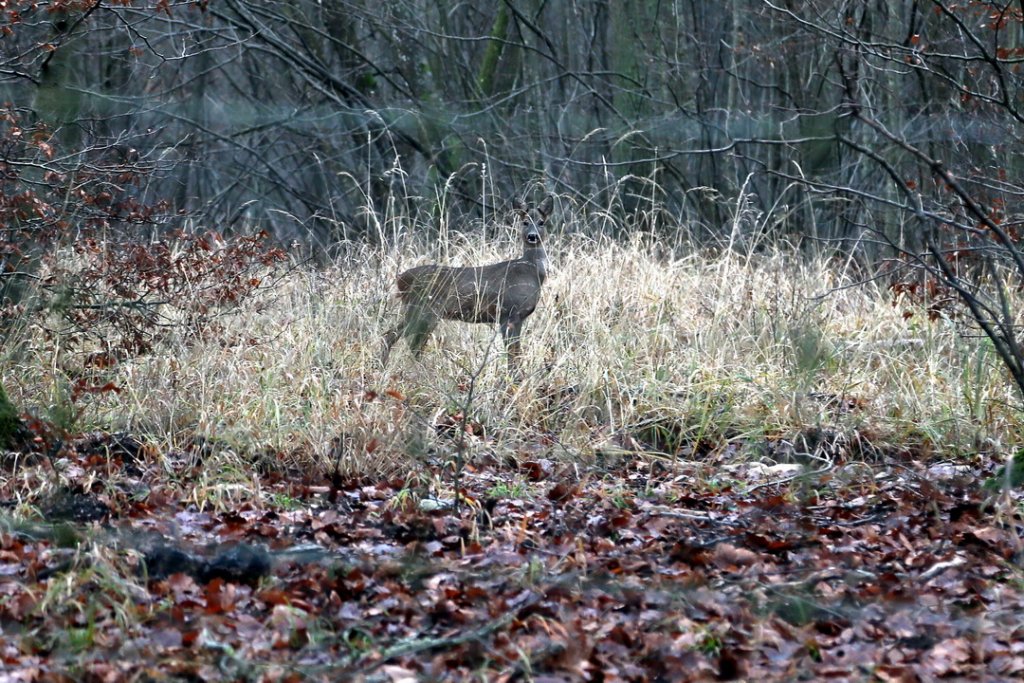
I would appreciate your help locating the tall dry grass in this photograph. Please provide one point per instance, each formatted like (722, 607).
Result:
(635, 343)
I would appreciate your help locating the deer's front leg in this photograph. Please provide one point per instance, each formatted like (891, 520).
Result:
(511, 330)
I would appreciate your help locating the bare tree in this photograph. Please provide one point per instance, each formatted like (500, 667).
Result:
(927, 128)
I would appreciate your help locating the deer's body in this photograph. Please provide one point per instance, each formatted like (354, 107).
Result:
(503, 293)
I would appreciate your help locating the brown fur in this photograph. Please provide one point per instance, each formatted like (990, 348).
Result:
(505, 293)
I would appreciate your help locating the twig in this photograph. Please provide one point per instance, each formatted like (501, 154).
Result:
(787, 479)
(940, 567)
(424, 644)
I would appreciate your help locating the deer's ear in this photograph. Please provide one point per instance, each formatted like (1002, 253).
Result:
(545, 206)
(520, 206)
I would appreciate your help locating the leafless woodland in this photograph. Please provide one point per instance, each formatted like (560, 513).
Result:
(827, 116)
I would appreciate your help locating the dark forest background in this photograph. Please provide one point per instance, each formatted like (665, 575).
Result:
(840, 120)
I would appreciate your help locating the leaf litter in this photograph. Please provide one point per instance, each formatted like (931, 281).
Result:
(646, 570)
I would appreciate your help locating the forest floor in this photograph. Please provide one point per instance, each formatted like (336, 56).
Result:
(712, 468)
(638, 568)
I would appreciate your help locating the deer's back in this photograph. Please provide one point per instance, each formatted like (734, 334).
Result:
(474, 294)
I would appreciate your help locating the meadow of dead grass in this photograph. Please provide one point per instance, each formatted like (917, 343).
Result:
(635, 346)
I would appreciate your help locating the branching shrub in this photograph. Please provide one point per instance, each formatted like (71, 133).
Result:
(123, 295)
(108, 264)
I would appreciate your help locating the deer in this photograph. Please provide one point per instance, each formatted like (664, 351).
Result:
(504, 293)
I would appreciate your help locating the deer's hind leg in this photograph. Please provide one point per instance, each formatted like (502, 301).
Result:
(417, 323)
(390, 337)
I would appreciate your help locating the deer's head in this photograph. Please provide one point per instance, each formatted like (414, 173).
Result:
(533, 221)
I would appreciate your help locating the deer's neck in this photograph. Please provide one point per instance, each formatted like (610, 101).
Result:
(539, 258)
